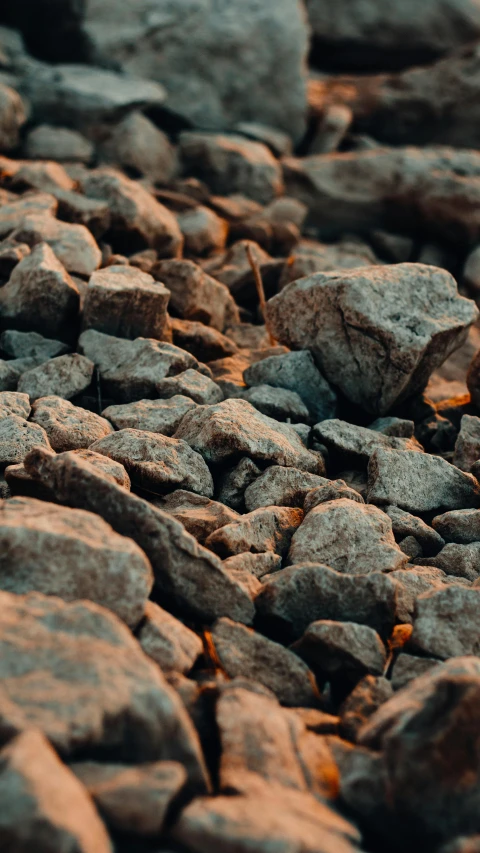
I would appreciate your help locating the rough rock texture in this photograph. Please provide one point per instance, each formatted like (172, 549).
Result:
(265, 529)
(467, 445)
(68, 427)
(279, 486)
(17, 438)
(166, 640)
(377, 334)
(191, 383)
(341, 649)
(404, 524)
(65, 376)
(71, 243)
(332, 490)
(195, 295)
(163, 416)
(357, 442)
(198, 514)
(461, 526)
(445, 624)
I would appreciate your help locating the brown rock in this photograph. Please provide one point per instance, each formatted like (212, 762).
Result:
(68, 427)
(162, 416)
(169, 642)
(203, 342)
(195, 295)
(200, 388)
(265, 529)
(446, 624)
(278, 486)
(17, 438)
(366, 697)
(203, 230)
(72, 244)
(341, 650)
(198, 514)
(127, 303)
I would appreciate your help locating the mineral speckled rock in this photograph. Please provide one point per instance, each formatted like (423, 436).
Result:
(68, 427)
(162, 416)
(461, 561)
(166, 640)
(341, 650)
(195, 295)
(359, 442)
(265, 529)
(461, 526)
(377, 334)
(191, 383)
(13, 403)
(17, 438)
(404, 524)
(467, 445)
(71, 243)
(331, 490)
(198, 514)
(64, 376)
(279, 486)
(445, 625)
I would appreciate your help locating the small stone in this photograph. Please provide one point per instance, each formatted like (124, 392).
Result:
(30, 345)
(277, 403)
(358, 443)
(199, 515)
(195, 295)
(136, 143)
(201, 389)
(341, 650)
(126, 302)
(446, 623)
(406, 525)
(366, 697)
(11, 253)
(162, 416)
(72, 244)
(333, 490)
(62, 144)
(278, 486)
(167, 641)
(203, 342)
(203, 231)
(408, 667)
(419, 482)
(13, 403)
(467, 446)
(156, 462)
(233, 484)
(14, 212)
(12, 117)
(398, 427)
(258, 565)
(265, 529)
(64, 376)
(17, 438)
(68, 427)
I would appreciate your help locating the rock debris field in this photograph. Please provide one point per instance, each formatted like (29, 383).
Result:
(239, 426)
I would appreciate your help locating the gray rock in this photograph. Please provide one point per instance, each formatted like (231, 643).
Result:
(156, 462)
(233, 484)
(40, 295)
(358, 443)
(126, 302)
(166, 640)
(64, 376)
(408, 667)
(310, 256)
(201, 389)
(398, 427)
(279, 486)
(136, 143)
(30, 345)
(68, 427)
(17, 438)
(14, 212)
(43, 805)
(11, 253)
(162, 416)
(246, 653)
(235, 427)
(297, 596)
(72, 554)
(258, 565)
(204, 342)
(349, 537)
(366, 697)
(73, 244)
(461, 526)
(467, 446)
(195, 295)
(46, 142)
(203, 231)
(277, 403)
(377, 334)
(341, 650)
(414, 582)
(419, 482)
(12, 116)
(199, 515)
(265, 529)
(406, 525)
(446, 623)
(13, 403)
(296, 371)
(332, 490)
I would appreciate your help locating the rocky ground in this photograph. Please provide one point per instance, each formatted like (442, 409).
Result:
(239, 426)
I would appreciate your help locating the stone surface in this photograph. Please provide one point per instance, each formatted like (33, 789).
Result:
(349, 537)
(46, 142)
(235, 427)
(17, 344)
(136, 143)
(408, 667)
(265, 529)
(156, 462)
(71, 243)
(44, 807)
(342, 650)
(13, 403)
(332, 490)
(446, 623)
(358, 443)
(378, 333)
(461, 561)
(404, 524)
(14, 212)
(162, 416)
(203, 342)
(12, 117)
(198, 514)
(64, 376)
(233, 484)
(68, 427)
(461, 526)
(277, 403)
(419, 482)
(17, 438)
(203, 230)
(279, 486)
(126, 302)
(195, 295)
(467, 445)
(72, 554)
(366, 697)
(200, 388)
(166, 640)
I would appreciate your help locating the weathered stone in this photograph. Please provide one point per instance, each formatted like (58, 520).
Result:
(132, 799)
(296, 371)
(43, 175)
(408, 667)
(12, 117)
(14, 212)
(377, 334)
(192, 576)
(64, 376)
(136, 143)
(169, 642)
(156, 462)
(467, 446)
(234, 482)
(162, 416)
(446, 623)
(404, 524)
(419, 482)
(203, 342)
(203, 230)
(46, 142)
(277, 403)
(73, 244)
(349, 537)
(414, 582)
(358, 443)
(40, 295)
(195, 295)
(127, 303)
(341, 650)
(265, 529)
(398, 427)
(44, 806)
(297, 596)
(72, 554)
(366, 697)
(68, 427)
(201, 389)
(279, 486)
(13, 403)
(258, 565)
(17, 438)
(199, 515)
(246, 653)
(91, 212)
(332, 490)
(235, 427)
(461, 526)
(30, 345)
(11, 253)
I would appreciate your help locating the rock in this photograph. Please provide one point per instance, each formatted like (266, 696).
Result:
(467, 446)
(203, 231)
(277, 403)
(230, 164)
(94, 673)
(130, 370)
(296, 371)
(395, 349)
(72, 554)
(358, 443)
(30, 345)
(13, 403)
(405, 525)
(64, 376)
(43, 175)
(72, 244)
(12, 117)
(40, 295)
(155, 462)
(203, 342)
(418, 728)
(419, 482)
(369, 544)
(297, 596)
(136, 215)
(46, 142)
(132, 799)
(234, 427)
(169, 642)
(44, 806)
(310, 257)
(233, 483)
(332, 490)
(265, 529)
(398, 427)
(201, 389)
(199, 515)
(414, 582)
(184, 571)
(461, 526)
(126, 302)
(246, 653)
(68, 427)
(408, 667)
(341, 650)
(279, 143)
(14, 212)
(471, 270)
(11, 253)
(79, 209)
(135, 143)
(278, 486)
(366, 697)
(445, 624)
(17, 438)
(194, 295)
(162, 416)
(258, 565)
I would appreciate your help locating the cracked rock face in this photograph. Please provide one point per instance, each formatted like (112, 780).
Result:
(378, 333)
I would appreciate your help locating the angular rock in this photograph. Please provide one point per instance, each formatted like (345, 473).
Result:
(467, 446)
(233, 484)
(408, 667)
(203, 342)
(398, 427)
(44, 806)
(162, 416)
(71, 243)
(446, 623)
(358, 442)
(413, 583)
(17, 438)
(126, 302)
(366, 697)
(277, 403)
(155, 462)
(13, 403)
(195, 295)
(199, 515)
(201, 389)
(377, 334)
(30, 345)
(169, 642)
(279, 486)
(136, 143)
(46, 142)
(404, 525)
(461, 526)
(203, 231)
(332, 490)
(341, 650)
(12, 117)
(258, 565)
(11, 253)
(14, 212)
(419, 482)
(64, 376)
(265, 529)
(68, 427)
(72, 554)
(349, 537)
